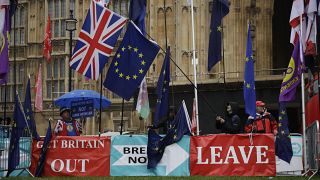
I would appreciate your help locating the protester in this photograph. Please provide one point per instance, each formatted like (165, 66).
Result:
(264, 121)
(67, 126)
(164, 123)
(231, 123)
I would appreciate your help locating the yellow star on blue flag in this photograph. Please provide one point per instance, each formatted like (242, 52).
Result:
(128, 69)
(220, 8)
(283, 141)
(162, 108)
(249, 92)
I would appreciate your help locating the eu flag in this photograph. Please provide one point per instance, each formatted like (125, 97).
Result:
(137, 13)
(249, 91)
(155, 148)
(163, 91)
(178, 127)
(17, 131)
(131, 63)
(220, 8)
(45, 145)
(28, 112)
(283, 140)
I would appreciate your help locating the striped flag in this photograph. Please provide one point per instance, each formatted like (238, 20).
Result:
(297, 11)
(311, 29)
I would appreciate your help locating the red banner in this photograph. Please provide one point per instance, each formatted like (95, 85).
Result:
(232, 155)
(312, 110)
(74, 156)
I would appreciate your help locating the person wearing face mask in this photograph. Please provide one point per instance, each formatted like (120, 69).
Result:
(67, 126)
(231, 124)
(264, 122)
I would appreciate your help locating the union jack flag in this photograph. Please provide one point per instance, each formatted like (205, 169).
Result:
(96, 40)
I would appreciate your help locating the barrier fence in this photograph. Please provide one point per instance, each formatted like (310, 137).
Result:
(312, 148)
(122, 153)
(24, 146)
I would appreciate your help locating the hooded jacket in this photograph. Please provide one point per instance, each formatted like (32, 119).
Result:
(232, 122)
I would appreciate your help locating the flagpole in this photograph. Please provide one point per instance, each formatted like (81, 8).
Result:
(165, 22)
(52, 89)
(194, 68)
(303, 102)
(14, 54)
(166, 35)
(187, 77)
(121, 123)
(24, 115)
(5, 104)
(318, 67)
(34, 102)
(315, 31)
(224, 65)
(100, 110)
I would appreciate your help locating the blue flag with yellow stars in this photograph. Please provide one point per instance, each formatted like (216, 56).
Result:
(131, 63)
(177, 128)
(17, 130)
(220, 8)
(155, 148)
(28, 112)
(283, 140)
(249, 91)
(45, 145)
(162, 110)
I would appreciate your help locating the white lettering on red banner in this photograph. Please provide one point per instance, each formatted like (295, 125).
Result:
(74, 156)
(215, 157)
(232, 155)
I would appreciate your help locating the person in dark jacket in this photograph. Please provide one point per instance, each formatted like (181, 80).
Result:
(164, 123)
(231, 123)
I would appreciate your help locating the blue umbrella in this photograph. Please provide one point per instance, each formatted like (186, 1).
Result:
(78, 95)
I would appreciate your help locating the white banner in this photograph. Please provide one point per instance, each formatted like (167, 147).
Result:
(295, 166)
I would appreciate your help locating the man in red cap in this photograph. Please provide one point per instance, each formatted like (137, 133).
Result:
(264, 121)
(67, 126)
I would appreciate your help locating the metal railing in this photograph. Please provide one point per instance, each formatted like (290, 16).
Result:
(312, 148)
(24, 150)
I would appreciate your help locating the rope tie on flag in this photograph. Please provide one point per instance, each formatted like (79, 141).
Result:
(251, 137)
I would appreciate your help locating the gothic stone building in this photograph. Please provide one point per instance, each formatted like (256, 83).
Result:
(270, 35)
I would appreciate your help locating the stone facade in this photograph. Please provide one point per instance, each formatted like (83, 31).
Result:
(176, 14)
